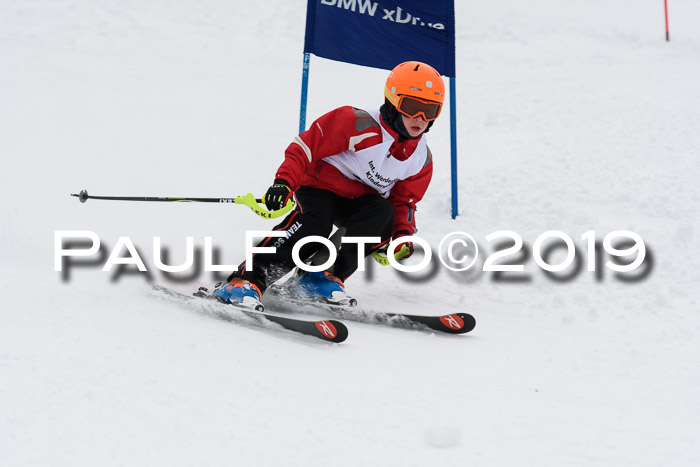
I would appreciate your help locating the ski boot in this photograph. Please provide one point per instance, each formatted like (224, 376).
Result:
(321, 286)
(238, 292)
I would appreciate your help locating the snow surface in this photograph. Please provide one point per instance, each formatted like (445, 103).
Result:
(572, 116)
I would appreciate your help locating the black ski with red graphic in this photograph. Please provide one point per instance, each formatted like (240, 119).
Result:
(327, 330)
(453, 323)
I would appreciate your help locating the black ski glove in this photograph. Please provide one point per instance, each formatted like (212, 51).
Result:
(277, 195)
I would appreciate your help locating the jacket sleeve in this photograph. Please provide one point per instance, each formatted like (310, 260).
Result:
(405, 195)
(331, 134)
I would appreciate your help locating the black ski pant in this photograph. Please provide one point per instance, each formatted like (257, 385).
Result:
(316, 213)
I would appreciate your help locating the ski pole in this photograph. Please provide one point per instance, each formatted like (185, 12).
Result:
(247, 200)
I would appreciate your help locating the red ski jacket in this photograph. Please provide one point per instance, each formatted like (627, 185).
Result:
(343, 129)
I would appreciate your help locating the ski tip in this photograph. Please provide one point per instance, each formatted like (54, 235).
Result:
(456, 323)
(332, 330)
(468, 323)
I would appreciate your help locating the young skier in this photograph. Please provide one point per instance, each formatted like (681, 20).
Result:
(361, 171)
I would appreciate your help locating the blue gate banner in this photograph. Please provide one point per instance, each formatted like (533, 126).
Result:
(383, 33)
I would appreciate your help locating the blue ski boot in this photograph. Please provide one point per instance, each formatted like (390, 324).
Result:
(240, 292)
(321, 286)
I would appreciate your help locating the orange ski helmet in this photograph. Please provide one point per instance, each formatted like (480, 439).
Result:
(421, 84)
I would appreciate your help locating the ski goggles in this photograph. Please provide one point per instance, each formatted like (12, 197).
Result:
(413, 107)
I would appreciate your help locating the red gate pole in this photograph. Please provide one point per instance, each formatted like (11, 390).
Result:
(668, 37)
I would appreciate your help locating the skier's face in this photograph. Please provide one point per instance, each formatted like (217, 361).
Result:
(415, 126)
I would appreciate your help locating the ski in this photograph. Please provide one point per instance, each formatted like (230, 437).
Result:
(327, 330)
(451, 323)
